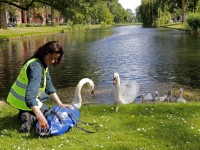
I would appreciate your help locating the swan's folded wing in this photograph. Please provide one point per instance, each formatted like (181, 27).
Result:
(129, 90)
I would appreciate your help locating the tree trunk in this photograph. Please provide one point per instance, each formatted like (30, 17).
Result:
(3, 24)
(194, 5)
(183, 11)
(52, 18)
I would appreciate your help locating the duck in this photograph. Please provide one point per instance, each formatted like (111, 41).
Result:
(181, 99)
(125, 92)
(77, 102)
(170, 98)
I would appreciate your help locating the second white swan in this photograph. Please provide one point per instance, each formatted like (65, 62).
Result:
(126, 92)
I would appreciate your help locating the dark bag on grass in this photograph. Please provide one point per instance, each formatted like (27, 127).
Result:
(60, 120)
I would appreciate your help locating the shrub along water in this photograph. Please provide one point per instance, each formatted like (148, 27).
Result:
(135, 126)
(193, 21)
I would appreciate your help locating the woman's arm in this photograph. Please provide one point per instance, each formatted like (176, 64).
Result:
(42, 122)
(57, 100)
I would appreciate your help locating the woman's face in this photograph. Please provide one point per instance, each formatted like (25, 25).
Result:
(51, 58)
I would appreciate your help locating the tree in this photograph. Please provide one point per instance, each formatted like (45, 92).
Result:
(116, 10)
(3, 23)
(61, 5)
(183, 11)
(131, 14)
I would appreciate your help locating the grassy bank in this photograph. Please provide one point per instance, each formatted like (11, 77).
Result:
(143, 126)
(174, 25)
(21, 32)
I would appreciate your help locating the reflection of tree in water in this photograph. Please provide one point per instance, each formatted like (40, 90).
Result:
(187, 70)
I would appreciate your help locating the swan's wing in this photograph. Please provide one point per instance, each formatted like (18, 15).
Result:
(129, 91)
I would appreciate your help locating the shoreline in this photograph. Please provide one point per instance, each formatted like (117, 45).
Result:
(17, 33)
(28, 32)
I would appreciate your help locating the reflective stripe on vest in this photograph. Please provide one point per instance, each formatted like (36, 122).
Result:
(17, 93)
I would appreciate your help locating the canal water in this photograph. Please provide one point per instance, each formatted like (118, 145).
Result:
(159, 59)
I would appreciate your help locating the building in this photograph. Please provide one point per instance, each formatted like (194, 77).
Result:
(21, 16)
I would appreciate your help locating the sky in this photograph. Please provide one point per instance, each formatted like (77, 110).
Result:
(131, 4)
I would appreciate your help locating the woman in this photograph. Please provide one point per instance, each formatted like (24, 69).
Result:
(33, 86)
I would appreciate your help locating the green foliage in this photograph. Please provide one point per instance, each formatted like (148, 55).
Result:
(193, 20)
(62, 31)
(198, 7)
(70, 23)
(188, 28)
(29, 25)
(48, 24)
(69, 27)
(164, 18)
(116, 10)
(22, 25)
(160, 126)
(103, 24)
(39, 16)
(78, 27)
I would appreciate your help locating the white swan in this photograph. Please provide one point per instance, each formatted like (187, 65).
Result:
(181, 99)
(126, 92)
(77, 99)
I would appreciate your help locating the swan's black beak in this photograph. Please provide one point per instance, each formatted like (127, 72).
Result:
(93, 92)
(114, 80)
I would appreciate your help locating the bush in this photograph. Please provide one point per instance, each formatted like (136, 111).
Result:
(78, 27)
(69, 27)
(71, 23)
(22, 25)
(193, 20)
(114, 24)
(29, 25)
(188, 28)
(48, 24)
(103, 24)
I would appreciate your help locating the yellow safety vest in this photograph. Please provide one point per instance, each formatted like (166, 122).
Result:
(16, 96)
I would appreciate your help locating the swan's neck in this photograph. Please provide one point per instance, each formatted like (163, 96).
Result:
(118, 91)
(78, 100)
(181, 94)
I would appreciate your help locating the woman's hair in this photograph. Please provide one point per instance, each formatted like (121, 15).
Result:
(50, 47)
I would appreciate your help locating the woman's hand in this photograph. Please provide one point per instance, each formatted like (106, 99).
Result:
(57, 100)
(66, 105)
(42, 122)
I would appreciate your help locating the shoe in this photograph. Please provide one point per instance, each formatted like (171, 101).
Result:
(27, 121)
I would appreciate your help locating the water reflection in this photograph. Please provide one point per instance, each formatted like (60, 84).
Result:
(159, 59)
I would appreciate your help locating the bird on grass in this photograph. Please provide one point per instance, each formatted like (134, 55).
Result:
(125, 92)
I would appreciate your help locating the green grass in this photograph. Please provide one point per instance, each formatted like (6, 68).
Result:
(136, 126)
(19, 32)
(174, 25)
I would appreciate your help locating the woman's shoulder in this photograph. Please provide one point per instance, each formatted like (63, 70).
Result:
(36, 65)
